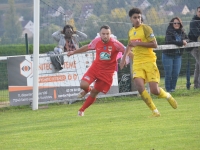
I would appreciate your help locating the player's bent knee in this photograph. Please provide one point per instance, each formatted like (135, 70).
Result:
(84, 84)
(154, 91)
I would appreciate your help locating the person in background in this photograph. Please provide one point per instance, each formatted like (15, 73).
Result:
(68, 39)
(171, 59)
(194, 36)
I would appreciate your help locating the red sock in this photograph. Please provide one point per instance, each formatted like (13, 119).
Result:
(88, 90)
(87, 103)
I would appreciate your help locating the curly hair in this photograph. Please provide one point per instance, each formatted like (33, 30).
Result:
(67, 27)
(134, 11)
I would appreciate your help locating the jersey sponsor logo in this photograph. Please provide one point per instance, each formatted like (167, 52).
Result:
(104, 56)
(109, 48)
(136, 40)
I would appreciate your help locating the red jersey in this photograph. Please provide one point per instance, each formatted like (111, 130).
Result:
(106, 54)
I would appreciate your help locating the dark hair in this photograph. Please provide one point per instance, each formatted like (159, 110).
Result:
(67, 27)
(134, 11)
(105, 27)
(198, 7)
(172, 21)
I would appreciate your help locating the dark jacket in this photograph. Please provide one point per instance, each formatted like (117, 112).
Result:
(174, 36)
(194, 29)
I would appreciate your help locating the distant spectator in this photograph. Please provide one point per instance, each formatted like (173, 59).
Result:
(171, 58)
(68, 39)
(194, 35)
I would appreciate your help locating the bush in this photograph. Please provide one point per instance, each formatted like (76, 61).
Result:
(160, 40)
(11, 50)
(3, 75)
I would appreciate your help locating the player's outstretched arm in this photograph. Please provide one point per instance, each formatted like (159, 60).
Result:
(80, 50)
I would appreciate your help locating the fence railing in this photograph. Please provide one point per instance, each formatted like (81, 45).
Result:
(4, 96)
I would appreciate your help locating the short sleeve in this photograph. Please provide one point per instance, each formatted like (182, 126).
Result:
(149, 33)
(93, 43)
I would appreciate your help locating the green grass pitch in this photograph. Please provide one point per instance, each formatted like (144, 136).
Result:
(109, 124)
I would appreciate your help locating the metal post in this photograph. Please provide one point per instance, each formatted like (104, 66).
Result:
(26, 41)
(188, 72)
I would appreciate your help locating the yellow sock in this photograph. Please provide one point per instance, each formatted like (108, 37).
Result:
(162, 94)
(148, 100)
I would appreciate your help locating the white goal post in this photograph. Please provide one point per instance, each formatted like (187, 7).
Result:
(36, 39)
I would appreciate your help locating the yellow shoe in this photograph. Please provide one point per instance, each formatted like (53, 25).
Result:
(171, 101)
(155, 114)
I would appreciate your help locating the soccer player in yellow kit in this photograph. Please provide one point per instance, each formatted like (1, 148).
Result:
(141, 42)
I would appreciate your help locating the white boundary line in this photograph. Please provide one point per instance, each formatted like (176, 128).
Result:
(99, 96)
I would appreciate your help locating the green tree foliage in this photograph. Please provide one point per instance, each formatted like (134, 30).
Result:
(46, 33)
(119, 13)
(152, 17)
(100, 8)
(12, 26)
(91, 26)
(112, 4)
(155, 21)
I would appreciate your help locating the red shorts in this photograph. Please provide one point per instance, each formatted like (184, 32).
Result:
(103, 81)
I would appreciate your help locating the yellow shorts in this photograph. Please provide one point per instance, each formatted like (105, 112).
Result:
(148, 71)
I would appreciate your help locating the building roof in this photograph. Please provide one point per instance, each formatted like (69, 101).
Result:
(139, 3)
(168, 3)
(179, 9)
(143, 4)
(86, 10)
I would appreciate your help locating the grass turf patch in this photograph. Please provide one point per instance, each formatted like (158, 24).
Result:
(119, 123)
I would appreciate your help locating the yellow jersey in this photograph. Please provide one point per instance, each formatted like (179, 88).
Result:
(143, 33)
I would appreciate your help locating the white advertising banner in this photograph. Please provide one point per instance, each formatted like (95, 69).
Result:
(53, 85)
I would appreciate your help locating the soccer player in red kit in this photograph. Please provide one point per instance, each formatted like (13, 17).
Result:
(103, 67)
